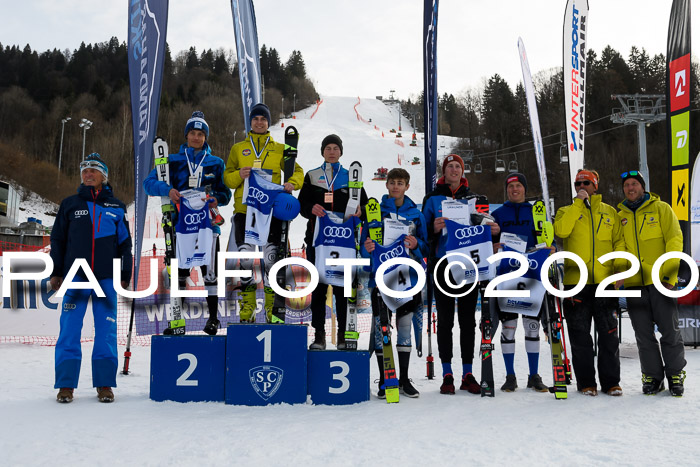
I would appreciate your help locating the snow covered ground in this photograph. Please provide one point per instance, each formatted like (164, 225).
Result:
(521, 428)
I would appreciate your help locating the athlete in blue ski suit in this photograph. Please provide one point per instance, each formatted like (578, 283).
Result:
(407, 212)
(92, 226)
(515, 216)
(195, 162)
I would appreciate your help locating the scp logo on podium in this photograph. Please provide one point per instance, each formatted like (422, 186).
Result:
(266, 380)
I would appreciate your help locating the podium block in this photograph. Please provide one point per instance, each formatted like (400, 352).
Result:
(338, 378)
(188, 368)
(265, 364)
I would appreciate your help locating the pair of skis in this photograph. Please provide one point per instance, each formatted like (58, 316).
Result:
(352, 333)
(176, 326)
(486, 347)
(391, 382)
(279, 307)
(561, 367)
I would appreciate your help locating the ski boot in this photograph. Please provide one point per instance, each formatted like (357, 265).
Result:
(405, 384)
(675, 384)
(651, 385)
(248, 304)
(269, 303)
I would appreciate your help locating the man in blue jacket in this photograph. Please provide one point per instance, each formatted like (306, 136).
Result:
(90, 226)
(452, 185)
(515, 217)
(194, 166)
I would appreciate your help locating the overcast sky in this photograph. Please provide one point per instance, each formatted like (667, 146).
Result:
(362, 47)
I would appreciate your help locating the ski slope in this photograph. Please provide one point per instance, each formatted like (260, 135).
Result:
(371, 143)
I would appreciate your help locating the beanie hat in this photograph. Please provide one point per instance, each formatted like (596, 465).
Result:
(260, 110)
(450, 158)
(94, 161)
(634, 174)
(197, 122)
(590, 175)
(332, 139)
(517, 177)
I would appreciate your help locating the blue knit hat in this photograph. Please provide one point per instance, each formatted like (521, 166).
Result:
(260, 110)
(94, 161)
(197, 122)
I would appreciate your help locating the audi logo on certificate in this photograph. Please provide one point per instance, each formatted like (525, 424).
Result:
(195, 218)
(469, 232)
(337, 232)
(391, 254)
(258, 195)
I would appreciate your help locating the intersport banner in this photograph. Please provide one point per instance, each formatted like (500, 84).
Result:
(678, 111)
(148, 21)
(246, 33)
(535, 124)
(575, 31)
(430, 98)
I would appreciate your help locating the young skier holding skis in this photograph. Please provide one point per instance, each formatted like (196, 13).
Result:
(92, 226)
(325, 190)
(195, 167)
(515, 217)
(258, 150)
(452, 185)
(396, 206)
(591, 229)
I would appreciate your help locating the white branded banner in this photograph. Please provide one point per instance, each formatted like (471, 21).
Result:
(575, 35)
(534, 122)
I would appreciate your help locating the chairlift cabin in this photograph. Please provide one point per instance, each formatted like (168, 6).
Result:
(563, 154)
(500, 165)
(513, 165)
(477, 167)
(467, 169)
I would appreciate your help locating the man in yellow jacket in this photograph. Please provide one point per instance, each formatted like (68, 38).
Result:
(590, 229)
(651, 229)
(257, 150)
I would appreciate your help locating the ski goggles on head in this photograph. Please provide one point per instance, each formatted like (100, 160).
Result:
(91, 165)
(96, 165)
(631, 173)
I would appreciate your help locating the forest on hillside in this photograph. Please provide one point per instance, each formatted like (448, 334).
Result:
(493, 123)
(39, 90)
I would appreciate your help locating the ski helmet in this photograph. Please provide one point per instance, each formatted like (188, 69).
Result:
(285, 207)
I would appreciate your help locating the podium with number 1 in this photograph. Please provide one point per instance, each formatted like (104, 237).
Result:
(266, 364)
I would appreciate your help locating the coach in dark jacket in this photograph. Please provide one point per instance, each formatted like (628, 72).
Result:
(90, 226)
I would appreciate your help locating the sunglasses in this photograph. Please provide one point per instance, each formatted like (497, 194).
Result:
(584, 182)
(631, 173)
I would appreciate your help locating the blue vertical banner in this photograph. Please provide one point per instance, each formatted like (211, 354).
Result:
(148, 20)
(246, 33)
(430, 97)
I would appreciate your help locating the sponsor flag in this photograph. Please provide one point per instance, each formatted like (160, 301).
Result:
(678, 88)
(535, 124)
(246, 33)
(575, 32)
(148, 21)
(430, 99)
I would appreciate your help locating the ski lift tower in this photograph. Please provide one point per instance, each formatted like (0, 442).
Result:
(641, 110)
